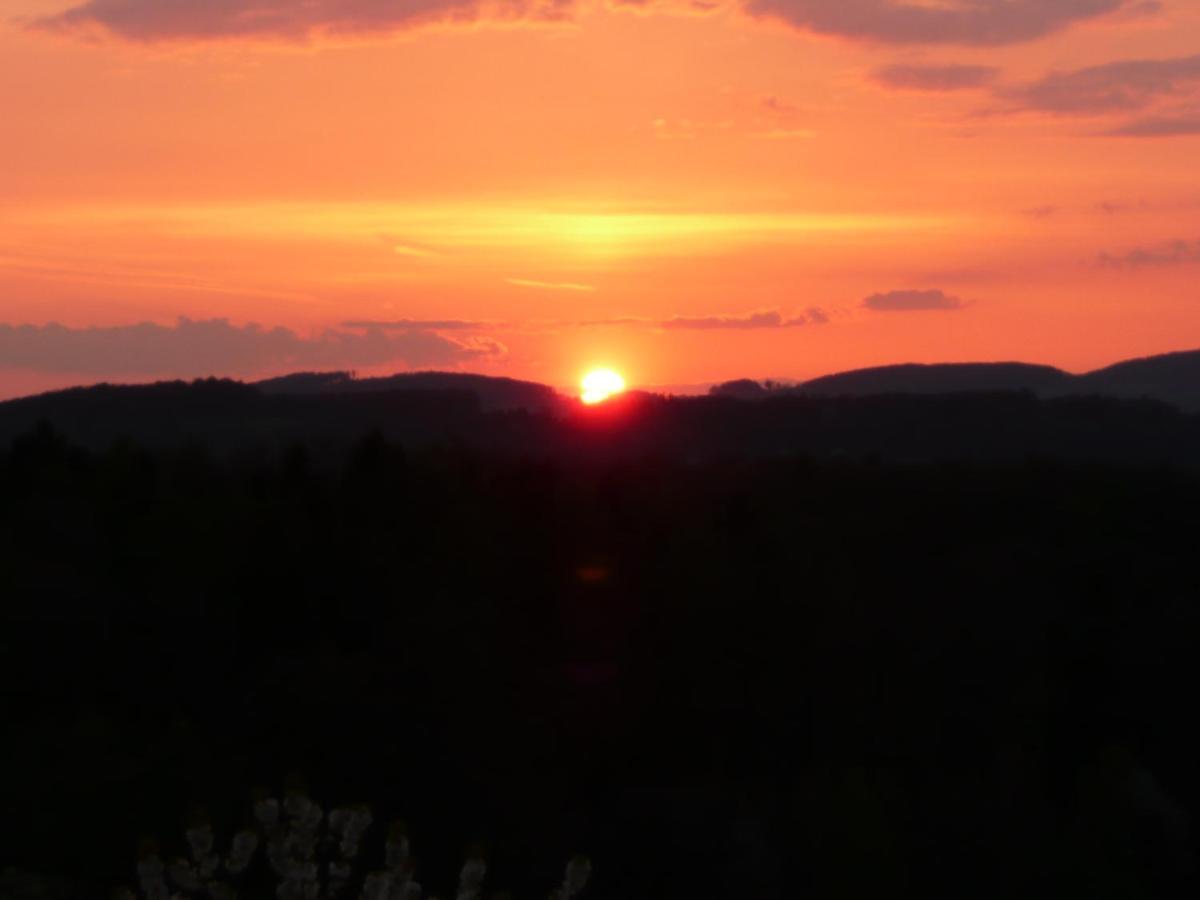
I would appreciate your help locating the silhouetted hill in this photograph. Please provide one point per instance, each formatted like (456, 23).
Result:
(228, 416)
(944, 378)
(827, 646)
(493, 393)
(740, 389)
(1172, 377)
(306, 383)
(908, 412)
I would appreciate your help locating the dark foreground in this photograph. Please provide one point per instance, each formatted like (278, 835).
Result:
(719, 678)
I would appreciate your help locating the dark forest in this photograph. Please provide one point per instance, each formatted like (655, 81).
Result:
(825, 647)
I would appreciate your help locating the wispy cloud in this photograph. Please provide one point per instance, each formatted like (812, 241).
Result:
(784, 134)
(74, 270)
(217, 347)
(912, 301)
(558, 234)
(771, 318)
(978, 22)
(975, 22)
(550, 285)
(779, 106)
(1123, 86)
(416, 324)
(780, 120)
(282, 20)
(418, 252)
(1159, 127)
(942, 78)
(752, 321)
(1171, 253)
(1040, 212)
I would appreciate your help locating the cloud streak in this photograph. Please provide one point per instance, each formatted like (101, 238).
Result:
(754, 321)
(550, 285)
(415, 325)
(934, 78)
(281, 20)
(1158, 127)
(912, 301)
(217, 347)
(968, 22)
(1123, 86)
(1171, 253)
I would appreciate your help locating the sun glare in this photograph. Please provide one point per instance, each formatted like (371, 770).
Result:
(600, 384)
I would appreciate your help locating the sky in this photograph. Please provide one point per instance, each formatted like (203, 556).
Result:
(688, 191)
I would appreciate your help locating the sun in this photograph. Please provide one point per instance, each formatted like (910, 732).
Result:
(600, 384)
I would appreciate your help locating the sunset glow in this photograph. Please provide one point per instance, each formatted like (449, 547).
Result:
(600, 384)
(508, 189)
(555, 404)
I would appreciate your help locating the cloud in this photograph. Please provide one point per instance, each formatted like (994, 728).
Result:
(1040, 212)
(1159, 126)
(1123, 86)
(286, 20)
(550, 285)
(934, 78)
(216, 347)
(972, 22)
(416, 325)
(414, 251)
(1171, 253)
(912, 301)
(762, 319)
(784, 134)
(614, 320)
(779, 106)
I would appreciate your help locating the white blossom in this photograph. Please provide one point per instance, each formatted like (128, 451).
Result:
(266, 812)
(241, 852)
(312, 856)
(579, 870)
(470, 879)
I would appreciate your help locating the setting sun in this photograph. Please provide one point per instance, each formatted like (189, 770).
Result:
(600, 384)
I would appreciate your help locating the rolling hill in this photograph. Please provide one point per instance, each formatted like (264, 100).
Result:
(1172, 378)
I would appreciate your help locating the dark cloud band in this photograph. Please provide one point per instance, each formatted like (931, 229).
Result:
(934, 78)
(1172, 253)
(1129, 85)
(972, 22)
(216, 346)
(975, 22)
(912, 301)
(755, 321)
(284, 20)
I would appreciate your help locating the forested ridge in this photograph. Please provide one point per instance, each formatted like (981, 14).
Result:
(720, 674)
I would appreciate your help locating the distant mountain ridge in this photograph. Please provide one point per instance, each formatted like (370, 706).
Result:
(1172, 378)
(966, 412)
(494, 393)
(956, 410)
(944, 378)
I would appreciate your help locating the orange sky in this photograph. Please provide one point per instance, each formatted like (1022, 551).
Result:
(688, 192)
